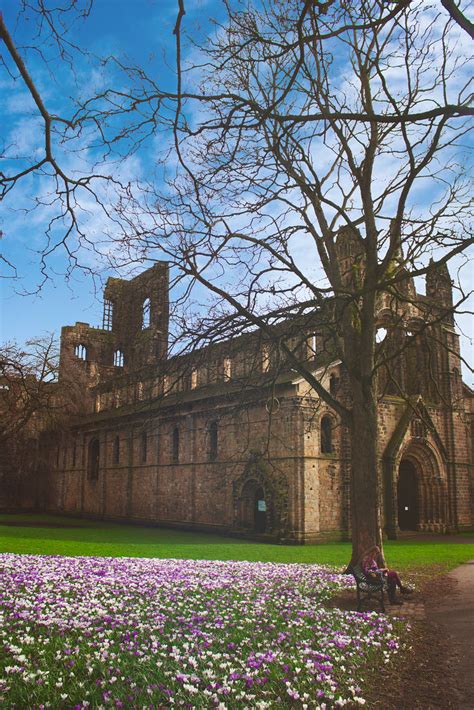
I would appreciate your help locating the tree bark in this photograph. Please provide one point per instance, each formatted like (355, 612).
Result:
(365, 475)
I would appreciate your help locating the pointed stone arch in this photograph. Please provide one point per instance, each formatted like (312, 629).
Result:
(416, 489)
(260, 499)
(415, 479)
(422, 462)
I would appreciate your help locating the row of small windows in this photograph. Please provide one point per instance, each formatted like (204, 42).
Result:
(94, 448)
(80, 352)
(93, 458)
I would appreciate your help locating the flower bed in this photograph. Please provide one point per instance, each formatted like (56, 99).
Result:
(121, 632)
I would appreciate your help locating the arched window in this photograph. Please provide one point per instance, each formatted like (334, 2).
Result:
(213, 441)
(74, 453)
(158, 446)
(93, 460)
(144, 446)
(326, 435)
(175, 445)
(313, 345)
(108, 314)
(116, 451)
(333, 384)
(146, 313)
(227, 368)
(118, 358)
(194, 378)
(80, 351)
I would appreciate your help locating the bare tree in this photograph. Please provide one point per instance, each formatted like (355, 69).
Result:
(320, 172)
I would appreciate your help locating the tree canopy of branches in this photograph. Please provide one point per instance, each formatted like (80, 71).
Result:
(317, 120)
(298, 122)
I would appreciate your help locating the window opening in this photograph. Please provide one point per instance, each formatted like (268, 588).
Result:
(175, 445)
(194, 379)
(108, 314)
(144, 446)
(81, 351)
(158, 447)
(93, 460)
(146, 313)
(116, 451)
(227, 368)
(265, 358)
(313, 343)
(333, 384)
(213, 441)
(326, 435)
(118, 358)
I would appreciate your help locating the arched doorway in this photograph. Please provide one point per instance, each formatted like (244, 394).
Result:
(408, 497)
(253, 507)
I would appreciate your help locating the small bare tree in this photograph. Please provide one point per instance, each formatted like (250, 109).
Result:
(31, 403)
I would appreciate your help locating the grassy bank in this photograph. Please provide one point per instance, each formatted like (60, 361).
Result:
(40, 534)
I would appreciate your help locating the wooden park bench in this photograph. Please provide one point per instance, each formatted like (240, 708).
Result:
(367, 588)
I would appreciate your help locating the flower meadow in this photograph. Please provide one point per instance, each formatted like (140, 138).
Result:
(85, 632)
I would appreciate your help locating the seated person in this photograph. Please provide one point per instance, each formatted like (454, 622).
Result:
(370, 567)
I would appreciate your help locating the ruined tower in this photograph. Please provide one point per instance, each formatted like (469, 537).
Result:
(134, 330)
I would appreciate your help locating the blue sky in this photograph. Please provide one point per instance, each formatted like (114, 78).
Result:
(136, 32)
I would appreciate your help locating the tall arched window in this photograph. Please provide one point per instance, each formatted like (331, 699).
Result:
(144, 446)
(146, 308)
(333, 384)
(93, 460)
(116, 451)
(175, 445)
(80, 351)
(227, 367)
(213, 441)
(158, 446)
(118, 358)
(265, 353)
(326, 435)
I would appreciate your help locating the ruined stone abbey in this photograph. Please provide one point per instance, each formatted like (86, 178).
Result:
(223, 440)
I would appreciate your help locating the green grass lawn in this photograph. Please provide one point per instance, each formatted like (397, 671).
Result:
(93, 538)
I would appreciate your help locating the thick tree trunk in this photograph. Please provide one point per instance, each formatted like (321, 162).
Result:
(365, 474)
